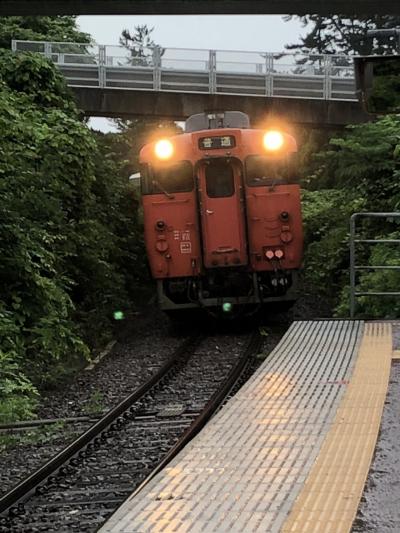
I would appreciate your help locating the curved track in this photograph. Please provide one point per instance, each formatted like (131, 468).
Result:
(81, 486)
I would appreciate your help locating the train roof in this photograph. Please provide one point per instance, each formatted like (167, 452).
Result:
(213, 121)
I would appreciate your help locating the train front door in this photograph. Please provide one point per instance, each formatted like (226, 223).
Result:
(222, 213)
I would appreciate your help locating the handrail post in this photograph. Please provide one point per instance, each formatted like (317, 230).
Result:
(269, 82)
(327, 77)
(212, 72)
(14, 45)
(156, 68)
(102, 66)
(352, 264)
(47, 50)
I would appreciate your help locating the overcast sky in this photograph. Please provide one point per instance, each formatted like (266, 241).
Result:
(224, 32)
(232, 32)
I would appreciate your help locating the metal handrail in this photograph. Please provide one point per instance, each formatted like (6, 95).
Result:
(354, 267)
(280, 54)
(245, 72)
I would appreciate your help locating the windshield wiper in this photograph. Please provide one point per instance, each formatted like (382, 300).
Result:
(161, 188)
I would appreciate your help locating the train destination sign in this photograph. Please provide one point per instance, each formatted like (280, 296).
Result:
(215, 143)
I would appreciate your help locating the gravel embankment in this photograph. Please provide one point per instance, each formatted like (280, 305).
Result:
(142, 349)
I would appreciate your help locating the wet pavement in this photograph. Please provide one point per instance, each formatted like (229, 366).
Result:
(379, 510)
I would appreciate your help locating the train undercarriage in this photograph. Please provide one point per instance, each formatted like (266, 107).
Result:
(227, 289)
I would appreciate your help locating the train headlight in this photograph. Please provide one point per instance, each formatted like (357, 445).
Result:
(164, 149)
(273, 140)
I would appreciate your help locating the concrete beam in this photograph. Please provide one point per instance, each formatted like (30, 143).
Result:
(179, 106)
(221, 7)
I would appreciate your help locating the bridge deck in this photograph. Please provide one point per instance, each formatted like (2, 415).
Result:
(229, 72)
(296, 439)
(174, 83)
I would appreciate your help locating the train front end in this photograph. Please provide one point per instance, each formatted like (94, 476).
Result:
(222, 215)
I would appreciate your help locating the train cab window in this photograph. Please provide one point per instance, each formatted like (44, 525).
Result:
(170, 179)
(263, 170)
(219, 179)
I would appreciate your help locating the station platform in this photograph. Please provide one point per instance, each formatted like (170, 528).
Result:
(290, 452)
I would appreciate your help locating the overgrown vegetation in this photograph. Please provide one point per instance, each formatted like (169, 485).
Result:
(353, 170)
(70, 241)
(358, 171)
(57, 29)
(341, 34)
(71, 244)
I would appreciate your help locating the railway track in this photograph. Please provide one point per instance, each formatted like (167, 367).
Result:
(82, 485)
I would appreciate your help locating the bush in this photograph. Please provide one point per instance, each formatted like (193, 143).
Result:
(357, 172)
(69, 242)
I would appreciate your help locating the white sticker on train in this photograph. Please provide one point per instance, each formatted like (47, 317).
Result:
(186, 247)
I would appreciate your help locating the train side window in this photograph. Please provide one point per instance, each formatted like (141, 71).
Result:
(170, 179)
(219, 179)
(264, 170)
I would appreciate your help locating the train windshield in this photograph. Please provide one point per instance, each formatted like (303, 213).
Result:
(263, 170)
(219, 179)
(167, 180)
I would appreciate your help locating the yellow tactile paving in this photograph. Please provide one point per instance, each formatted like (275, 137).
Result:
(329, 499)
(243, 472)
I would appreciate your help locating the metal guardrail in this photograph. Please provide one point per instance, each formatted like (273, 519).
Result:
(323, 77)
(354, 267)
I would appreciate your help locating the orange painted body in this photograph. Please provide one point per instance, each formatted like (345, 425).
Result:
(221, 221)
(173, 251)
(267, 230)
(223, 224)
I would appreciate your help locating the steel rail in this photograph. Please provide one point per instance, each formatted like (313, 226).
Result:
(29, 424)
(23, 489)
(211, 407)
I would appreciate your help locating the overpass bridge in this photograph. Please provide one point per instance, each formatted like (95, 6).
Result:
(174, 83)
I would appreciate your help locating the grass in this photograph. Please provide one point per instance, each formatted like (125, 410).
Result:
(95, 404)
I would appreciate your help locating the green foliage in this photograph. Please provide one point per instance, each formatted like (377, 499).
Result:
(57, 29)
(69, 239)
(326, 215)
(359, 171)
(337, 34)
(95, 404)
(37, 78)
(387, 307)
(45, 184)
(310, 142)
(385, 93)
(17, 394)
(140, 43)
(367, 159)
(382, 281)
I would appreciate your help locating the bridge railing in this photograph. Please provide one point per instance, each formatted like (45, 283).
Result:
(205, 71)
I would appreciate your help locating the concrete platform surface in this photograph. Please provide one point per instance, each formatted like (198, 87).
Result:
(248, 467)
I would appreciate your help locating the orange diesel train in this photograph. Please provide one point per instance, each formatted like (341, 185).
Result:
(222, 215)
